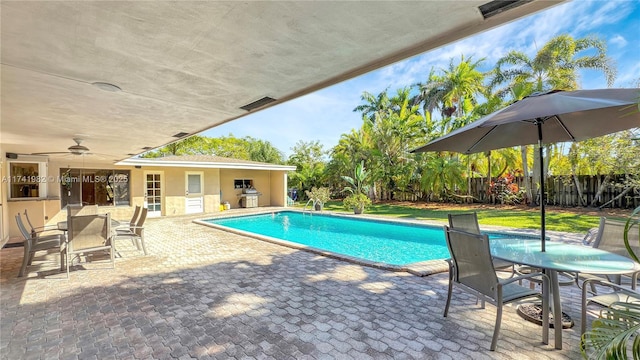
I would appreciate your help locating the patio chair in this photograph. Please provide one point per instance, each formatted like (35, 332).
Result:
(39, 229)
(80, 209)
(135, 232)
(471, 269)
(610, 238)
(618, 297)
(132, 223)
(34, 243)
(469, 222)
(88, 234)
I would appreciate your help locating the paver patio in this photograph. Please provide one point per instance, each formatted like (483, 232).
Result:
(204, 293)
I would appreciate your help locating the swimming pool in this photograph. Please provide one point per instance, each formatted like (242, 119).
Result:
(378, 241)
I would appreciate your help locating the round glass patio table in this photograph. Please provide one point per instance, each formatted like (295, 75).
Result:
(561, 257)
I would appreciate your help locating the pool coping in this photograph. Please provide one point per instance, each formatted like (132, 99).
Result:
(422, 268)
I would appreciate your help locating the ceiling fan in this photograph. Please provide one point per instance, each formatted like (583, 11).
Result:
(77, 149)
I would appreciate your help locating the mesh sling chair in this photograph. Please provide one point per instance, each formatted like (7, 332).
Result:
(135, 232)
(618, 297)
(610, 237)
(40, 229)
(471, 269)
(469, 222)
(34, 243)
(87, 235)
(132, 222)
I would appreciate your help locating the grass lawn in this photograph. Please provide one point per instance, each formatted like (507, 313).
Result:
(574, 220)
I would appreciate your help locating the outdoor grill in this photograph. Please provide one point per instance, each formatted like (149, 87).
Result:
(249, 198)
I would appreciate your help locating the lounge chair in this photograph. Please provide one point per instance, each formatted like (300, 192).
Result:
(471, 269)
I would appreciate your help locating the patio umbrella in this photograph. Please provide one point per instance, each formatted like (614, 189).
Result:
(555, 116)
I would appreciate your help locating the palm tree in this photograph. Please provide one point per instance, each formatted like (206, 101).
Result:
(394, 135)
(463, 83)
(454, 92)
(555, 66)
(374, 106)
(430, 94)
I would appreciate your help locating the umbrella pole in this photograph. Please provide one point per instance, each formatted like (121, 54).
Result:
(542, 209)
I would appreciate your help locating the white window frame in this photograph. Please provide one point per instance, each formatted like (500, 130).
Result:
(41, 179)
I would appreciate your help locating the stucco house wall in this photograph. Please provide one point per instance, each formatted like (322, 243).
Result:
(218, 175)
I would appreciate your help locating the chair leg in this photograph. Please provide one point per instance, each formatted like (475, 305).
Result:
(446, 307)
(67, 262)
(113, 256)
(25, 260)
(62, 260)
(496, 330)
(31, 256)
(144, 248)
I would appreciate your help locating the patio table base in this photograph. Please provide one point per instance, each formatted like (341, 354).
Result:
(533, 313)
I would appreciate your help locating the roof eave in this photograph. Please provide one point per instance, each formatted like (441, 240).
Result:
(205, 164)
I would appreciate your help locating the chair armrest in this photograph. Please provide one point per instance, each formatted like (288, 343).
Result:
(522, 277)
(50, 229)
(603, 282)
(46, 228)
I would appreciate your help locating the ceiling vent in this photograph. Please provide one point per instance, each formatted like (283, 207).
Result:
(147, 148)
(106, 86)
(496, 7)
(258, 103)
(180, 135)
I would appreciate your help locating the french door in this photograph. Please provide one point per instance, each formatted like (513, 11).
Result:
(153, 194)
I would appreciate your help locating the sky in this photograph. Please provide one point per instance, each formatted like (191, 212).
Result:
(327, 114)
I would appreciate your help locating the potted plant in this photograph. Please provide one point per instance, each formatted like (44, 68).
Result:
(357, 189)
(318, 196)
(357, 202)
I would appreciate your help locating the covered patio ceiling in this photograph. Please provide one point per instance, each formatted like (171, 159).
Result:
(182, 67)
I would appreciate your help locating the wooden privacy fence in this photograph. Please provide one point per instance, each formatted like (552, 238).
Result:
(562, 191)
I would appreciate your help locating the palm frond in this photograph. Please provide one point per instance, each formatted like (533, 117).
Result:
(614, 335)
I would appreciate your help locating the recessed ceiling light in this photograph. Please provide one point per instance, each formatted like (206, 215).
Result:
(106, 86)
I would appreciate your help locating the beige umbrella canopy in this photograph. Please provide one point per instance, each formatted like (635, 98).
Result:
(551, 117)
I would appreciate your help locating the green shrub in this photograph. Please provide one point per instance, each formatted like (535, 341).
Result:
(357, 202)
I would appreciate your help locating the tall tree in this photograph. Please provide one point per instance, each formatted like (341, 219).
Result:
(555, 66)
(263, 151)
(309, 159)
(454, 91)
(374, 106)
(246, 148)
(193, 145)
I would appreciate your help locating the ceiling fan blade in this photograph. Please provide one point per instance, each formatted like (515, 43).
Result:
(51, 153)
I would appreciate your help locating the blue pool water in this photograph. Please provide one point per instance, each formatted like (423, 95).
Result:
(378, 241)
